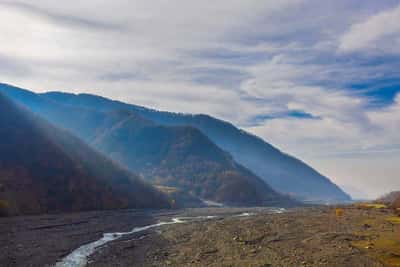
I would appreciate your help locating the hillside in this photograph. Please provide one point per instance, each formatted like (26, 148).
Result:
(182, 157)
(45, 170)
(282, 172)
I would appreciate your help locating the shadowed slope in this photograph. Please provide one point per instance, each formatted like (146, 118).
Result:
(44, 169)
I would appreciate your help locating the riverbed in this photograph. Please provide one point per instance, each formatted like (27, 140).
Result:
(47, 240)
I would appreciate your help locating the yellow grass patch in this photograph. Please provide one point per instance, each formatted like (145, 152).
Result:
(339, 212)
(386, 249)
(394, 219)
(371, 206)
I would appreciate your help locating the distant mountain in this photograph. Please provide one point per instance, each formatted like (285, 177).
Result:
(284, 173)
(44, 169)
(184, 158)
(180, 157)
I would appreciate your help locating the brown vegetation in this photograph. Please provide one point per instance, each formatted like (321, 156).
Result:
(389, 198)
(339, 212)
(392, 200)
(396, 203)
(4, 208)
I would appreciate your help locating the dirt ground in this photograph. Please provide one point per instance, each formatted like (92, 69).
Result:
(42, 240)
(39, 241)
(315, 236)
(302, 237)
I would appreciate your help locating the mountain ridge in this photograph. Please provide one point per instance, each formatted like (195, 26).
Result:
(283, 172)
(45, 170)
(183, 157)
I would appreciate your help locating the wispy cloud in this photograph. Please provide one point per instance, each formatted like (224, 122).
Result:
(380, 33)
(55, 17)
(318, 79)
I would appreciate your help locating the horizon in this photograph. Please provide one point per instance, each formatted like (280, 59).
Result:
(325, 90)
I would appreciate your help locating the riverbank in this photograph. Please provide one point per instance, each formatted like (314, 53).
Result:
(44, 240)
(316, 236)
(302, 237)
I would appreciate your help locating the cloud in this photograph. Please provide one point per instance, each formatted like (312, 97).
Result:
(59, 18)
(380, 33)
(317, 79)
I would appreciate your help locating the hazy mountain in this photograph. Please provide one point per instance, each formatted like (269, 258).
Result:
(44, 169)
(184, 158)
(284, 173)
(181, 157)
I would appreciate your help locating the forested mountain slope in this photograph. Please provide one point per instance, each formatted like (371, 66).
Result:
(44, 169)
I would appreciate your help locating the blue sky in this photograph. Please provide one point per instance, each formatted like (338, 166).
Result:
(318, 79)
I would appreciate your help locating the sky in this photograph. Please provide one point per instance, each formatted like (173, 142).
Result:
(318, 79)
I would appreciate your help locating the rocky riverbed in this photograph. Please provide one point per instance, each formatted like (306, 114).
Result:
(234, 237)
(304, 237)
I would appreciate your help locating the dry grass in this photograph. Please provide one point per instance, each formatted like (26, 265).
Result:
(394, 220)
(386, 249)
(381, 241)
(339, 212)
(372, 206)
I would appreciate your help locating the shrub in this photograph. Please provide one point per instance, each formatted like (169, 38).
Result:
(4, 208)
(396, 203)
(396, 206)
(339, 212)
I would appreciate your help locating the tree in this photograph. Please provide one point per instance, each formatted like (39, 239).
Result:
(396, 203)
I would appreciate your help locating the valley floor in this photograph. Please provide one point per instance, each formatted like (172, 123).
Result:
(300, 237)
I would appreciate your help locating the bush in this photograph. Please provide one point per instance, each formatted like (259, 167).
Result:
(339, 212)
(396, 203)
(4, 208)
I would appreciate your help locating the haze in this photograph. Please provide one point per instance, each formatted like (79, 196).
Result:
(318, 79)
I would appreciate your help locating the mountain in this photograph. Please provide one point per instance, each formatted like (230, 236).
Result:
(283, 172)
(179, 157)
(184, 158)
(44, 169)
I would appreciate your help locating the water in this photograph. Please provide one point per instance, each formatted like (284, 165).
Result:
(79, 257)
(245, 214)
(210, 203)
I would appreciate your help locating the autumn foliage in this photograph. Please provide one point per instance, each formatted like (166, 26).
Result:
(339, 212)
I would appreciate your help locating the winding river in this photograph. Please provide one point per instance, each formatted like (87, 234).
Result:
(79, 257)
